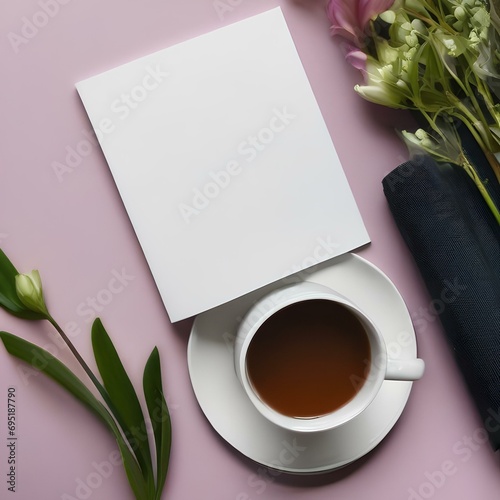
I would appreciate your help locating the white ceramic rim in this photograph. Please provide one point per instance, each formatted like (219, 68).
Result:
(235, 419)
(352, 408)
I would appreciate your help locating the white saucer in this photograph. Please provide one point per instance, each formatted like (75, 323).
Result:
(226, 406)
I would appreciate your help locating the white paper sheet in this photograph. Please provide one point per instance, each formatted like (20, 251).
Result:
(224, 163)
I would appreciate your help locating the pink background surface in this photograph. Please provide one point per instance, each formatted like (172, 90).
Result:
(75, 230)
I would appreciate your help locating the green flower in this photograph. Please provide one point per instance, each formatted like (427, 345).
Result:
(442, 59)
(380, 94)
(22, 296)
(420, 138)
(9, 299)
(30, 292)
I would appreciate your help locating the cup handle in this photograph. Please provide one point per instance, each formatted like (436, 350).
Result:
(404, 369)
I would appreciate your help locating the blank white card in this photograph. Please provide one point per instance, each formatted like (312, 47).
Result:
(224, 163)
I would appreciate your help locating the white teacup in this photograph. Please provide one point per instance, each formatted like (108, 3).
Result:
(379, 369)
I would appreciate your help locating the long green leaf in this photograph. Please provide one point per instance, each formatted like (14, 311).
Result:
(160, 418)
(52, 367)
(8, 295)
(124, 398)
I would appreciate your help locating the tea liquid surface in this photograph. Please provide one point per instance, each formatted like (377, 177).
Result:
(309, 359)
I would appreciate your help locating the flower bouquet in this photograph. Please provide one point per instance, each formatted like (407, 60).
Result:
(438, 58)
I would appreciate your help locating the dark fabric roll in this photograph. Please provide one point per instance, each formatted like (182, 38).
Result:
(455, 241)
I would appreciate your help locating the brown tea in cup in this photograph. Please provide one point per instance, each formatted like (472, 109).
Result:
(309, 359)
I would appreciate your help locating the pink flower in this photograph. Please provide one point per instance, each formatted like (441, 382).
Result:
(350, 18)
(356, 57)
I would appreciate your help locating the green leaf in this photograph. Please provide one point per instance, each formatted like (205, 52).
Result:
(495, 131)
(160, 417)
(8, 295)
(125, 403)
(52, 367)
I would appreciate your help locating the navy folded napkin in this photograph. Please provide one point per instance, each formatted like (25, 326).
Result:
(455, 241)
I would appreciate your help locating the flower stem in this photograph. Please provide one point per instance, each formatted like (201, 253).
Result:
(469, 120)
(77, 355)
(471, 171)
(432, 124)
(102, 390)
(464, 162)
(495, 166)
